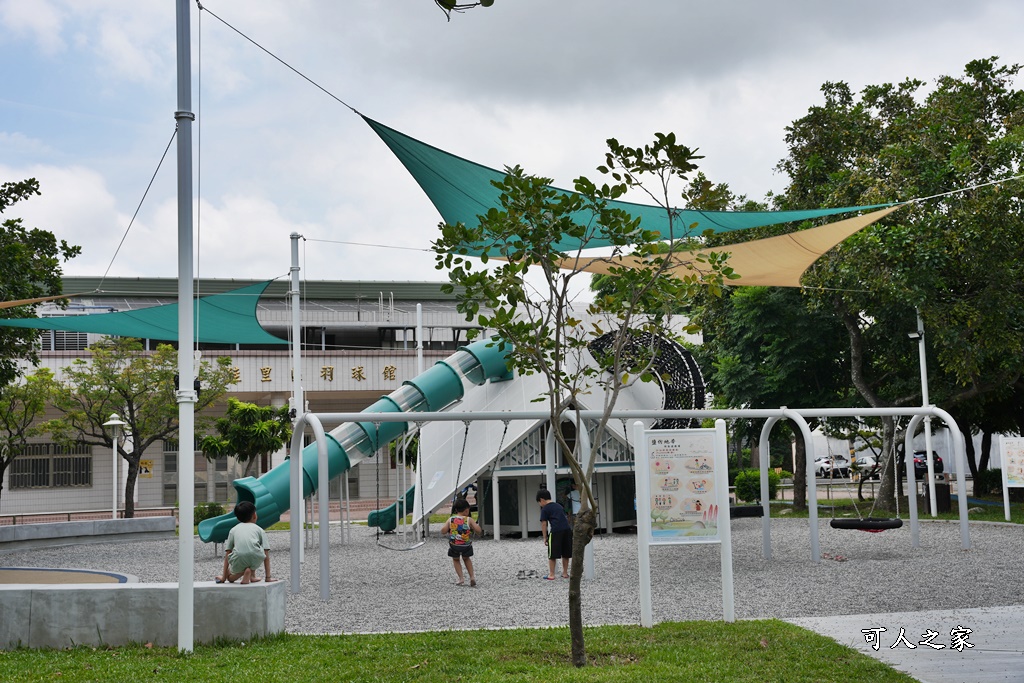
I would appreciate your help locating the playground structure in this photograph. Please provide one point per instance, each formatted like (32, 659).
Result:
(474, 384)
(476, 379)
(348, 444)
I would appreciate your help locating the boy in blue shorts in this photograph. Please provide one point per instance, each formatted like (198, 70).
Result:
(554, 527)
(459, 527)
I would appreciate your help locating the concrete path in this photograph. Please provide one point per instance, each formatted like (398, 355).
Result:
(995, 637)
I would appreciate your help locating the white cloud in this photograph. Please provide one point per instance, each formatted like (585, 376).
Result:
(39, 19)
(533, 82)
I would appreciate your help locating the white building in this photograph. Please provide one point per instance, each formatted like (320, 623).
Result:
(359, 342)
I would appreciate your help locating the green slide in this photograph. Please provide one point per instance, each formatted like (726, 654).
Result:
(352, 442)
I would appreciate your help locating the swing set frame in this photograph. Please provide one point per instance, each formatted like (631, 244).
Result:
(771, 417)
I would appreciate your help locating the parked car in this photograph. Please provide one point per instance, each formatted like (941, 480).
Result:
(828, 466)
(921, 464)
(867, 466)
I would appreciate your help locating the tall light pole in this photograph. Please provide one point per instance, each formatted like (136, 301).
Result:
(115, 423)
(923, 357)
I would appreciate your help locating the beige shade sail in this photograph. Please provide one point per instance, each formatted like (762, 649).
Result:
(38, 300)
(772, 262)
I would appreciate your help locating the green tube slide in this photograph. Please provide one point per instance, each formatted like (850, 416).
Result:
(352, 442)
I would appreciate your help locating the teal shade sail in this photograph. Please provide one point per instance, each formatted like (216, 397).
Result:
(462, 190)
(227, 318)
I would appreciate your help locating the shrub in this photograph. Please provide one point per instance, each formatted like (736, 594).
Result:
(989, 482)
(748, 485)
(208, 510)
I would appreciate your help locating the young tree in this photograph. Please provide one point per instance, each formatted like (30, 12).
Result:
(537, 320)
(21, 404)
(249, 433)
(29, 269)
(139, 386)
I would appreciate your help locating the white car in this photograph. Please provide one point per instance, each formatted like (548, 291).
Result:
(867, 466)
(829, 466)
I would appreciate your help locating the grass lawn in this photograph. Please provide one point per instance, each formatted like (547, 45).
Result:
(694, 651)
(845, 508)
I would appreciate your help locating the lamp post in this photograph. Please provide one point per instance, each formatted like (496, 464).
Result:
(923, 356)
(115, 423)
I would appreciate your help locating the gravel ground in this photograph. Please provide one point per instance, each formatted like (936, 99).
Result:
(374, 589)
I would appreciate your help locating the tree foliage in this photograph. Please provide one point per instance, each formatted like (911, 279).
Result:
(21, 404)
(955, 256)
(119, 377)
(30, 268)
(248, 432)
(525, 289)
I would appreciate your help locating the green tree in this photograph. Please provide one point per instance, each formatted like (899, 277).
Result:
(248, 433)
(29, 268)
(956, 257)
(763, 348)
(139, 386)
(529, 297)
(21, 404)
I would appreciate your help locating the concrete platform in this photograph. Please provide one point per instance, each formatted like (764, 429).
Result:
(61, 616)
(25, 536)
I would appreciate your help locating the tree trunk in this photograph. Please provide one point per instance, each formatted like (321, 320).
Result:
(986, 450)
(972, 462)
(887, 486)
(129, 485)
(583, 533)
(800, 475)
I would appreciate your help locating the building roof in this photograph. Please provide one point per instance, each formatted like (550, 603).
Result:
(337, 290)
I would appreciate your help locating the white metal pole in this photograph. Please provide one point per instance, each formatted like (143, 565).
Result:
(1006, 479)
(185, 394)
(923, 355)
(419, 339)
(724, 521)
(765, 454)
(298, 403)
(495, 505)
(643, 522)
(812, 484)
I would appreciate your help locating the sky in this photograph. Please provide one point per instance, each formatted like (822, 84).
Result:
(89, 92)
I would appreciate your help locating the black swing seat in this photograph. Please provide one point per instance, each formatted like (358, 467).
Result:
(736, 511)
(867, 523)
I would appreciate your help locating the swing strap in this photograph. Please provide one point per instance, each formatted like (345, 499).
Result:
(462, 457)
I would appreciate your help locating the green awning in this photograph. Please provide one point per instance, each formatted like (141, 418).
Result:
(228, 318)
(461, 190)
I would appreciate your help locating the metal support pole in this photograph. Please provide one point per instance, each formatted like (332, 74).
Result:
(495, 505)
(765, 454)
(643, 522)
(923, 356)
(186, 395)
(298, 407)
(812, 489)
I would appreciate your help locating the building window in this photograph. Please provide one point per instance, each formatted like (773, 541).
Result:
(69, 341)
(48, 465)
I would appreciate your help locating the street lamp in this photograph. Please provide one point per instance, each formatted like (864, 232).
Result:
(923, 356)
(115, 423)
